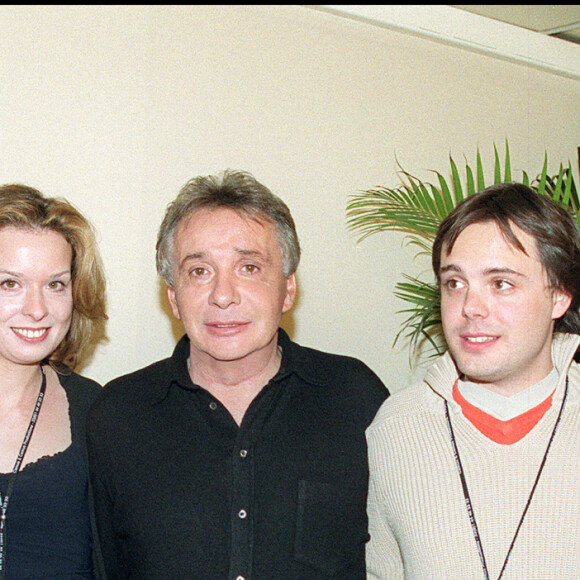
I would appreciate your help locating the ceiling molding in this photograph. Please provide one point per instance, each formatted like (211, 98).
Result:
(456, 27)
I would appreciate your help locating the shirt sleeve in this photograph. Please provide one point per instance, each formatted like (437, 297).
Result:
(109, 558)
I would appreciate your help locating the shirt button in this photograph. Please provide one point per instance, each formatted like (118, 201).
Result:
(243, 453)
(240, 578)
(242, 514)
(213, 405)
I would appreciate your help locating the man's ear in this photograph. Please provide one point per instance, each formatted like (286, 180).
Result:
(560, 303)
(290, 293)
(173, 302)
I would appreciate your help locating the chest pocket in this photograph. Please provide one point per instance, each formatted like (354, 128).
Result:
(331, 527)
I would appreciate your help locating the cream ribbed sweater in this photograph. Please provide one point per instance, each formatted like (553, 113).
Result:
(418, 520)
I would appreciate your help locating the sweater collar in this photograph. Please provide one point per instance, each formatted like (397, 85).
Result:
(442, 375)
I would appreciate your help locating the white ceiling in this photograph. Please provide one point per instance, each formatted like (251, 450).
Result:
(559, 21)
(542, 37)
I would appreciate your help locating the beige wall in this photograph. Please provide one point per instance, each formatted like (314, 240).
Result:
(115, 107)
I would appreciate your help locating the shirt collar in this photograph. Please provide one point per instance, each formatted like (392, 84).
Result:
(300, 361)
(295, 359)
(174, 371)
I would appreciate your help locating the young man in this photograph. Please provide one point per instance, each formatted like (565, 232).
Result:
(243, 456)
(475, 472)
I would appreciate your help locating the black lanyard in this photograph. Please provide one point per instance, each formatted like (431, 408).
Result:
(15, 470)
(468, 499)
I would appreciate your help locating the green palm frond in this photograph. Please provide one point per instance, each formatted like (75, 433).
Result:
(410, 209)
(561, 188)
(416, 208)
(423, 323)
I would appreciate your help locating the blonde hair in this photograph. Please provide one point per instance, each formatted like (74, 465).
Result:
(27, 208)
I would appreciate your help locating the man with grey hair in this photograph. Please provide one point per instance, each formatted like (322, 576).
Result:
(242, 456)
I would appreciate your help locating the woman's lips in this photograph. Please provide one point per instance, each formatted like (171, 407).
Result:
(31, 334)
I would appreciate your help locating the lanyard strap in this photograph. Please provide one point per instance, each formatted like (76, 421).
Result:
(15, 470)
(468, 499)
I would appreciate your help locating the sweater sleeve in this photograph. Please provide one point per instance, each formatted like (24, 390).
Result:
(383, 557)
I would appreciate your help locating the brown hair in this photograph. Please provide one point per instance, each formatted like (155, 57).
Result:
(555, 231)
(27, 208)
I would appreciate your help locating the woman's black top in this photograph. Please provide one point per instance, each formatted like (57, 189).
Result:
(48, 528)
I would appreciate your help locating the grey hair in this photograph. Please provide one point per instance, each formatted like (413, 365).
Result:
(236, 190)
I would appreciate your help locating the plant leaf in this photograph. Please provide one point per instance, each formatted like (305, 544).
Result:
(480, 177)
(566, 198)
(558, 188)
(445, 194)
(470, 182)
(496, 166)
(543, 177)
(416, 208)
(423, 322)
(526, 179)
(458, 190)
(508, 165)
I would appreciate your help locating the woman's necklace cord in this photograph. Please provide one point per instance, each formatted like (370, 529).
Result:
(4, 501)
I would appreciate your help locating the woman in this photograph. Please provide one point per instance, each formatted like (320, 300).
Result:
(52, 309)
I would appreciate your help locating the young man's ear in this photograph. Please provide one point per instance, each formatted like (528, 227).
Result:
(560, 303)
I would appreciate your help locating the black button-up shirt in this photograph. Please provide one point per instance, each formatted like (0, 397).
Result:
(182, 491)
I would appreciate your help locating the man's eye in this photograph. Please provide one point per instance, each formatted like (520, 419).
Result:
(452, 284)
(250, 268)
(197, 272)
(502, 284)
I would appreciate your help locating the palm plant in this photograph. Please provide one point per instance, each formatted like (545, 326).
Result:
(416, 208)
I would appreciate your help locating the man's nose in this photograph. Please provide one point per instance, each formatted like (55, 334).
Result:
(475, 304)
(225, 290)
